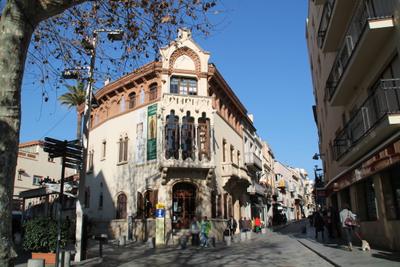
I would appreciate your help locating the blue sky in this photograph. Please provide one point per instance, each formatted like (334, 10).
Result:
(260, 49)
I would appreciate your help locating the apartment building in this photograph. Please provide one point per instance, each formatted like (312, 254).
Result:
(174, 133)
(33, 166)
(353, 48)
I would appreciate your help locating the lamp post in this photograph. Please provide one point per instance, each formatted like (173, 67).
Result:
(90, 46)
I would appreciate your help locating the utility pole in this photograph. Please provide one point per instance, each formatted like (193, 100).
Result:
(90, 46)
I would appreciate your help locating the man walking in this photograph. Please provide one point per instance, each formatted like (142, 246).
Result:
(232, 225)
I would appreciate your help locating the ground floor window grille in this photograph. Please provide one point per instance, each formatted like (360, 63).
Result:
(183, 205)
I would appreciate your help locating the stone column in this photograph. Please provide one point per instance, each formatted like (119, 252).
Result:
(196, 142)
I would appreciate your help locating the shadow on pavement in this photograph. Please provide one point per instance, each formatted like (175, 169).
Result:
(173, 256)
(391, 256)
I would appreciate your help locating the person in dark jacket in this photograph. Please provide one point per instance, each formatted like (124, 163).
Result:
(241, 225)
(318, 224)
(232, 225)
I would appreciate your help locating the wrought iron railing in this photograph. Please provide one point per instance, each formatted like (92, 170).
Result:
(384, 100)
(325, 19)
(366, 10)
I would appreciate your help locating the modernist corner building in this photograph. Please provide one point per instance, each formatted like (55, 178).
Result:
(172, 132)
(354, 50)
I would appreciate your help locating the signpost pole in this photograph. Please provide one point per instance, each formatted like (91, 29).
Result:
(60, 207)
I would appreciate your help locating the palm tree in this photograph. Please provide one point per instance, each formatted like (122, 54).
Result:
(74, 98)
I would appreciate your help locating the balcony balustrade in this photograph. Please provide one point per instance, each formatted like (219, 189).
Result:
(252, 160)
(320, 2)
(335, 17)
(373, 122)
(368, 32)
(229, 170)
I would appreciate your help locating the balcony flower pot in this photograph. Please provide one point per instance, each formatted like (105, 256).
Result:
(41, 238)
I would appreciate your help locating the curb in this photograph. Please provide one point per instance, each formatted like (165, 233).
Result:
(319, 254)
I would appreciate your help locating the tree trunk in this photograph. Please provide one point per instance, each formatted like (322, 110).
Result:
(78, 125)
(15, 35)
(17, 23)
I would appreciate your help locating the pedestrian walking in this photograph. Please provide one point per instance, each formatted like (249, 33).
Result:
(232, 225)
(205, 228)
(257, 225)
(195, 230)
(247, 224)
(318, 224)
(242, 225)
(348, 220)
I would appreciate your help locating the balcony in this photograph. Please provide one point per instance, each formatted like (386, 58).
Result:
(319, 2)
(376, 119)
(335, 17)
(232, 175)
(230, 169)
(252, 161)
(367, 34)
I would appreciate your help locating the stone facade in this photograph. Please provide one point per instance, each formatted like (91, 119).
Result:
(174, 133)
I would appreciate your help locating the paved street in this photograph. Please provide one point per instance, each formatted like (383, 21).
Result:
(285, 247)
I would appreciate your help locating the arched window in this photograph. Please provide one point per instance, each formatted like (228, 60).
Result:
(203, 138)
(132, 100)
(153, 92)
(188, 137)
(150, 202)
(172, 136)
(122, 104)
(121, 206)
(141, 96)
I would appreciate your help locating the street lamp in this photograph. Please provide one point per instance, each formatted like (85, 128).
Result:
(90, 46)
(318, 156)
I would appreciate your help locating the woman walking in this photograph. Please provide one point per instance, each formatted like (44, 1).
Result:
(347, 218)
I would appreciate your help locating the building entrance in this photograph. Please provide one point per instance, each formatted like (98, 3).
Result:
(183, 205)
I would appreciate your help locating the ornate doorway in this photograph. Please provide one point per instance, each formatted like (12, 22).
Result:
(183, 205)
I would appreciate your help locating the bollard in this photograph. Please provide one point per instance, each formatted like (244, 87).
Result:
(243, 236)
(67, 258)
(213, 241)
(183, 242)
(36, 263)
(150, 242)
(228, 240)
(122, 240)
(248, 235)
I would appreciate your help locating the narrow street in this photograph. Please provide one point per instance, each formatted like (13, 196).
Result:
(285, 247)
